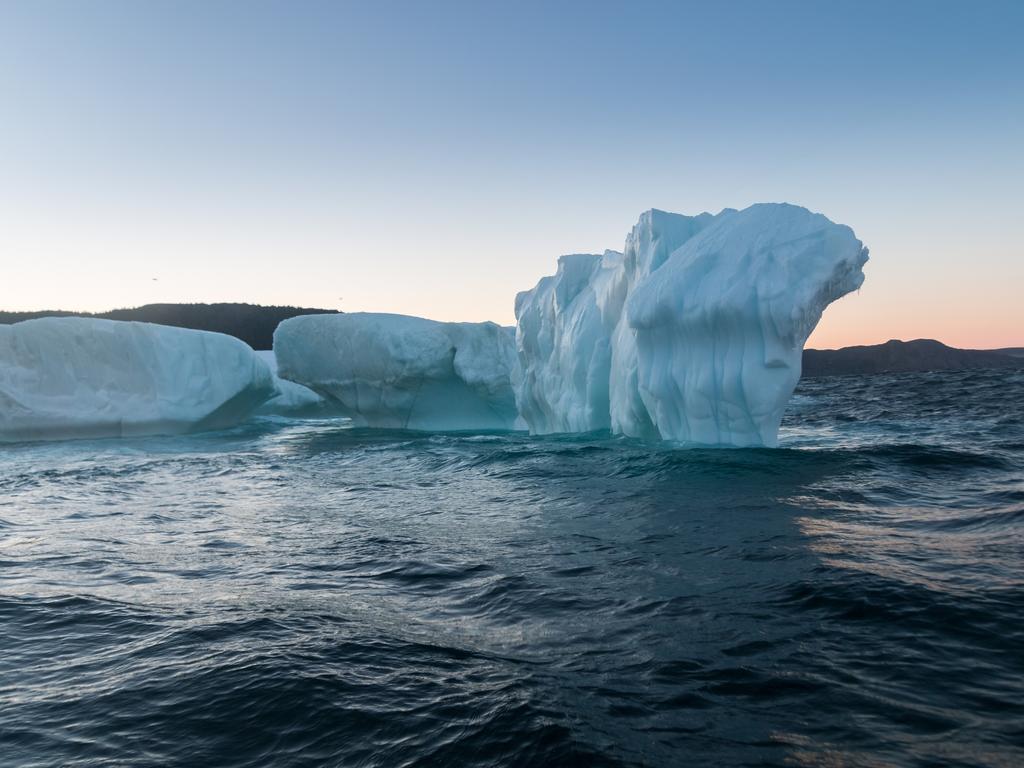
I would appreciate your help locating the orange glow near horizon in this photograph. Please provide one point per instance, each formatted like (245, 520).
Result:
(918, 283)
(961, 313)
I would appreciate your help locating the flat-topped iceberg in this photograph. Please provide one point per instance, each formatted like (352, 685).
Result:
(68, 377)
(693, 333)
(397, 371)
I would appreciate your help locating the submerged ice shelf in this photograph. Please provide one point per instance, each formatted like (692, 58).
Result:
(69, 377)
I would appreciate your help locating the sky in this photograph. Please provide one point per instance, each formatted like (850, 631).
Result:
(434, 158)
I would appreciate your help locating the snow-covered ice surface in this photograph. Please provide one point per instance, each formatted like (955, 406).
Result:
(70, 377)
(397, 371)
(694, 333)
(291, 399)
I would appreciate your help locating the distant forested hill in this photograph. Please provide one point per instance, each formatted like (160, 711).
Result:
(252, 323)
(904, 356)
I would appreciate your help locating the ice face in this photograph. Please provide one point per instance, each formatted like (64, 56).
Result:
(85, 377)
(697, 327)
(404, 372)
(563, 334)
(291, 399)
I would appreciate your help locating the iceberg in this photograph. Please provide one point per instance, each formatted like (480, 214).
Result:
(72, 377)
(693, 333)
(398, 371)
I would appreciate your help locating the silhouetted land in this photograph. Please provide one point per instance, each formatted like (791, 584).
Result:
(252, 323)
(904, 357)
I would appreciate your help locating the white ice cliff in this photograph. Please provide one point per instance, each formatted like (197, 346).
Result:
(694, 333)
(405, 372)
(73, 377)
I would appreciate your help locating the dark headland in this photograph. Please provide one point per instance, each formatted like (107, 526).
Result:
(896, 356)
(254, 324)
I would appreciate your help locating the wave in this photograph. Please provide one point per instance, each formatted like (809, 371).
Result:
(307, 593)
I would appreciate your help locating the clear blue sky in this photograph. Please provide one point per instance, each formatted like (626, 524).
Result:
(434, 158)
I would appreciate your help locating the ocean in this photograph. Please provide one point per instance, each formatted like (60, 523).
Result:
(301, 593)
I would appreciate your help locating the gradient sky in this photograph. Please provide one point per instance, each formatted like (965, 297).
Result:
(433, 158)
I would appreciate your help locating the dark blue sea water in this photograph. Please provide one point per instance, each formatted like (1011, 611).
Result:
(301, 594)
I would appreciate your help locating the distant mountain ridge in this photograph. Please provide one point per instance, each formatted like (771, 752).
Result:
(906, 356)
(252, 323)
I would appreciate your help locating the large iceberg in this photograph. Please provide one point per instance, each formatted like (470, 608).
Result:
(693, 333)
(398, 371)
(73, 377)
